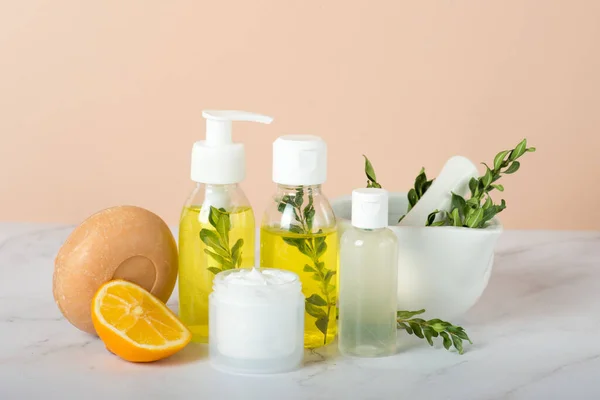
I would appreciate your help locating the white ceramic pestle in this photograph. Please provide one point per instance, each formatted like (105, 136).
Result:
(454, 177)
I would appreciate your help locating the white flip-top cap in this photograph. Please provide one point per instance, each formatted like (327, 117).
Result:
(299, 160)
(370, 208)
(217, 160)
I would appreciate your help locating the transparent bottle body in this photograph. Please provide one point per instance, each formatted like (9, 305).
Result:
(201, 257)
(299, 234)
(368, 292)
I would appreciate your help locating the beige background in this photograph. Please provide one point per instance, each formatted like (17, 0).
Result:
(100, 100)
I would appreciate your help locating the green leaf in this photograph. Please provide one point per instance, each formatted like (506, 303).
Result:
(500, 188)
(457, 344)
(447, 341)
(459, 203)
(531, 149)
(428, 333)
(514, 167)
(221, 260)
(299, 243)
(236, 252)
(416, 329)
(502, 205)
(488, 214)
(456, 220)
(321, 324)
(214, 270)
(223, 226)
(281, 207)
(320, 265)
(419, 182)
(473, 202)
(315, 311)
(473, 186)
(519, 150)
(213, 216)
(426, 186)
(412, 198)
(299, 199)
(499, 159)
(328, 276)
(309, 216)
(487, 178)
(287, 200)
(370, 172)
(431, 217)
(458, 331)
(488, 203)
(438, 325)
(402, 315)
(309, 211)
(316, 300)
(402, 325)
(308, 268)
(321, 246)
(295, 228)
(475, 219)
(211, 239)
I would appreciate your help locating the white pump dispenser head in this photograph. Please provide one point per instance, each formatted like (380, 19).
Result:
(217, 160)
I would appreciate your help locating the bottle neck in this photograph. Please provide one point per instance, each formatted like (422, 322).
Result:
(290, 189)
(212, 186)
(375, 230)
(227, 196)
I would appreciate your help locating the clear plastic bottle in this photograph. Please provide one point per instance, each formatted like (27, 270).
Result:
(368, 279)
(216, 229)
(299, 232)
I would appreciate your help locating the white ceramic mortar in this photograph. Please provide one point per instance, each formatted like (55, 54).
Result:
(441, 269)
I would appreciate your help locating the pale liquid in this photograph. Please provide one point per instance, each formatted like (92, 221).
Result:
(275, 253)
(195, 280)
(368, 293)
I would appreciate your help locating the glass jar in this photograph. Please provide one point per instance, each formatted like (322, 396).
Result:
(256, 321)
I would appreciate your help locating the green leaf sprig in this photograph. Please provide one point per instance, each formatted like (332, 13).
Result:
(451, 335)
(217, 241)
(479, 209)
(313, 247)
(419, 189)
(370, 172)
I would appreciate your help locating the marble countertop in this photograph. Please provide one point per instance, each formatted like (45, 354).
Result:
(535, 333)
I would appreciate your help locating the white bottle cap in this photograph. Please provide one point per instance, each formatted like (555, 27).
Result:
(299, 160)
(217, 160)
(370, 208)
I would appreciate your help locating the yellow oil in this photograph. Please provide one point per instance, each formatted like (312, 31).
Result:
(276, 253)
(195, 278)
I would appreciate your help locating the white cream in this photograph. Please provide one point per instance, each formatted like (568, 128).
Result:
(254, 276)
(256, 321)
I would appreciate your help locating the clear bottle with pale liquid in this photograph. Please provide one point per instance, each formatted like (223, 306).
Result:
(368, 279)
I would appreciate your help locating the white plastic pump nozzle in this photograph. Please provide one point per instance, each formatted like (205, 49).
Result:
(217, 160)
(218, 124)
